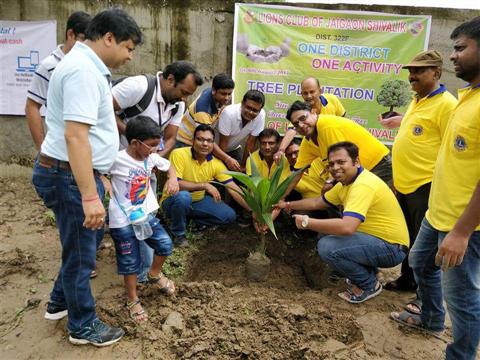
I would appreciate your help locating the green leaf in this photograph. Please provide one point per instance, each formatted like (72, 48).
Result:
(255, 172)
(267, 218)
(243, 178)
(262, 192)
(282, 188)
(275, 179)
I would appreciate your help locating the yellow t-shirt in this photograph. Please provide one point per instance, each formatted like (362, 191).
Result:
(457, 170)
(370, 199)
(262, 166)
(332, 129)
(333, 105)
(189, 169)
(203, 110)
(416, 145)
(312, 181)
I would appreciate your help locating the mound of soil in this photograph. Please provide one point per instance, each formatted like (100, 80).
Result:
(294, 314)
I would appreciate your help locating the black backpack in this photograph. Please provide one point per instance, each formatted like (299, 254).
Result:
(142, 105)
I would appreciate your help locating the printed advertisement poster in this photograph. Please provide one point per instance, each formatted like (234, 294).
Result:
(23, 45)
(351, 53)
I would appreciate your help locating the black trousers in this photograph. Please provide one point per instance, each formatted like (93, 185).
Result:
(414, 207)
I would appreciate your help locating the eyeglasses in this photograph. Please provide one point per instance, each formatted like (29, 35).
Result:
(150, 148)
(202, 140)
(300, 119)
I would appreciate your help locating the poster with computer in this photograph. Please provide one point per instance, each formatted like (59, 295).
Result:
(351, 53)
(23, 45)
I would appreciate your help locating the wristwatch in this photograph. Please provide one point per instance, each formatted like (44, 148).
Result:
(304, 221)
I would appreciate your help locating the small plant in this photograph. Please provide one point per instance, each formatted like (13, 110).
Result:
(261, 194)
(49, 218)
(394, 94)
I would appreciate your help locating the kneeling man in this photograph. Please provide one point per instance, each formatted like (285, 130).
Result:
(372, 232)
(197, 199)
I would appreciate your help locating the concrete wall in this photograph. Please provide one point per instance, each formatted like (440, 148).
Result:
(200, 31)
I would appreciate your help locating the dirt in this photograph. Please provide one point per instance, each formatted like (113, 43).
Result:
(293, 314)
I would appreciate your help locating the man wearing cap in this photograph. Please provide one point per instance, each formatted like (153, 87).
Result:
(415, 149)
(446, 255)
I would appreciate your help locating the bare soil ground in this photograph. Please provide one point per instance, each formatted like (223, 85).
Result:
(225, 316)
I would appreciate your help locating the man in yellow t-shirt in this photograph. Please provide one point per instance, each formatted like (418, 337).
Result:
(446, 255)
(263, 157)
(325, 130)
(326, 104)
(415, 149)
(197, 199)
(372, 232)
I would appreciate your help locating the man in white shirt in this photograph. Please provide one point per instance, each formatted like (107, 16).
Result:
(37, 93)
(239, 126)
(81, 143)
(178, 81)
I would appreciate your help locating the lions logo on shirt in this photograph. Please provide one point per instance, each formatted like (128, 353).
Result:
(417, 130)
(460, 143)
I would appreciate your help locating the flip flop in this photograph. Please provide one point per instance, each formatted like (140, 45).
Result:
(414, 306)
(402, 318)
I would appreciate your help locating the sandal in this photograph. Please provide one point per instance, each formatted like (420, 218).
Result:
(350, 296)
(164, 284)
(139, 316)
(414, 306)
(413, 321)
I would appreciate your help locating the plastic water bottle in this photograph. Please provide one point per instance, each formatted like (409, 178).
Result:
(140, 224)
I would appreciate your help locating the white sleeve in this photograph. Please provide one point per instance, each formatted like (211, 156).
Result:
(224, 123)
(130, 91)
(39, 85)
(177, 118)
(259, 124)
(159, 162)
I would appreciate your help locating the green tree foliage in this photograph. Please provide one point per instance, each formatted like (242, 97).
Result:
(261, 194)
(394, 93)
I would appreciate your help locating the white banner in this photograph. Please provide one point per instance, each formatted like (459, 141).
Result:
(23, 45)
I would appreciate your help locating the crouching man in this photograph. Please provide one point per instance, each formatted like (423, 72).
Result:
(372, 232)
(198, 199)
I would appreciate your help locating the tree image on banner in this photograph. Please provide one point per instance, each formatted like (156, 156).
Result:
(394, 94)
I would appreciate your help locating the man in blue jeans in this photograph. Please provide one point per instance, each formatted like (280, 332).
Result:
(446, 255)
(82, 142)
(198, 199)
(372, 232)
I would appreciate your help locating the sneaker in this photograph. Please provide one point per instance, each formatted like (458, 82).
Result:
(180, 241)
(55, 312)
(97, 334)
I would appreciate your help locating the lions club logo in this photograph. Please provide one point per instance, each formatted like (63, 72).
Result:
(417, 130)
(460, 143)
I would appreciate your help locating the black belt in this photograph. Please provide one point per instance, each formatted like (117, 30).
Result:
(403, 248)
(49, 162)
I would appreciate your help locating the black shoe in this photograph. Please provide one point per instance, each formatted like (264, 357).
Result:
(55, 312)
(180, 241)
(98, 334)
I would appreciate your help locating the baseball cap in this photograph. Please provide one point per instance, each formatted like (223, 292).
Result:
(425, 59)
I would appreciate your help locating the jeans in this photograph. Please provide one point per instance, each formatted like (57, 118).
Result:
(358, 256)
(127, 246)
(60, 193)
(179, 207)
(460, 286)
(414, 206)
